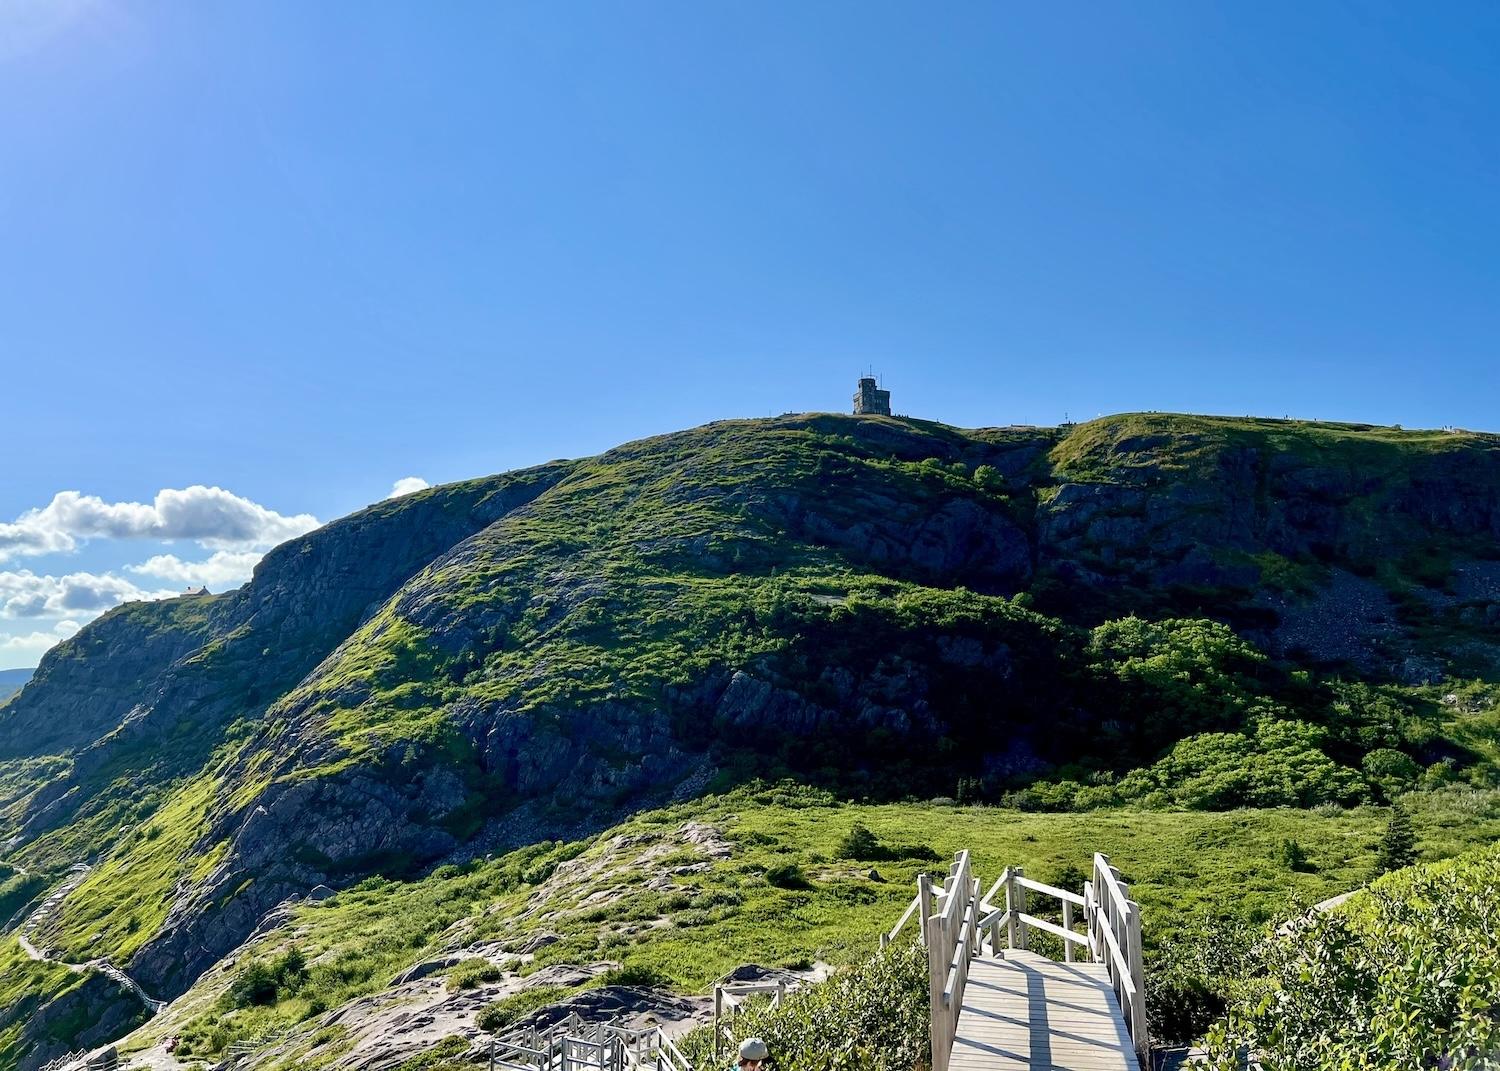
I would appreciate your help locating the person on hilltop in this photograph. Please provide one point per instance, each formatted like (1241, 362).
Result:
(753, 1054)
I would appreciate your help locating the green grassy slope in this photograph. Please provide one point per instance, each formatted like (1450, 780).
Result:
(1129, 612)
(605, 899)
(1403, 975)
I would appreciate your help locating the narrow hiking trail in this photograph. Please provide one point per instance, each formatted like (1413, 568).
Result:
(45, 910)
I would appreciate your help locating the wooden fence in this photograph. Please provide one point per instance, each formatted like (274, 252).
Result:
(574, 1045)
(954, 921)
(728, 999)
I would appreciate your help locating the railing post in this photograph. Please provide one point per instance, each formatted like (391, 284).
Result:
(973, 917)
(924, 906)
(936, 973)
(1139, 1033)
(1067, 912)
(1022, 928)
(718, 1015)
(1010, 907)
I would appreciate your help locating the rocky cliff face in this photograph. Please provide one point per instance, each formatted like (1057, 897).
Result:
(151, 686)
(532, 655)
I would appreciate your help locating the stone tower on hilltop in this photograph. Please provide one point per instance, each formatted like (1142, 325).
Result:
(870, 399)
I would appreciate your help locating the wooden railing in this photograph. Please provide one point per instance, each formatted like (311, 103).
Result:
(951, 934)
(729, 997)
(574, 1045)
(954, 921)
(104, 1060)
(1114, 925)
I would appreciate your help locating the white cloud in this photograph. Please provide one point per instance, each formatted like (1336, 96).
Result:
(210, 516)
(407, 484)
(26, 594)
(27, 649)
(223, 569)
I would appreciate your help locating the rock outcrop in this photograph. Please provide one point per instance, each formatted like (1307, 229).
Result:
(533, 656)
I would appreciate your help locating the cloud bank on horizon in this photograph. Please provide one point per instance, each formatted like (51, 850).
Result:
(210, 516)
(42, 607)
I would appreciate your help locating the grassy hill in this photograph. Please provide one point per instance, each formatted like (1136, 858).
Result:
(1151, 612)
(760, 876)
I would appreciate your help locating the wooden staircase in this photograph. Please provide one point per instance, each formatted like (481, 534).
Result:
(996, 1005)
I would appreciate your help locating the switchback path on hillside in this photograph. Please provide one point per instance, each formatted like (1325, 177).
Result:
(48, 907)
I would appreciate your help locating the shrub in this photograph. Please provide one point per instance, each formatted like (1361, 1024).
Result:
(871, 1018)
(1398, 847)
(262, 982)
(444, 1054)
(1069, 876)
(1391, 771)
(1281, 765)
(860, 843)
(473, 972)
(505, 1012)
(989, 478)
(1190, 979)
(788, 876)
(1167, 679)
(1403, 977)
(634, 974)
(1294, 856)
(255, 984)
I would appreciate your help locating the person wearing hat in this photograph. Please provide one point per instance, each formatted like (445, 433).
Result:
(753, 1053)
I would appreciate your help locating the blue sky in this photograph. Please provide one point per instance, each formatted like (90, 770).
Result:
(300, 251)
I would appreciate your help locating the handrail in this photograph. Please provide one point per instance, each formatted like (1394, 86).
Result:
(954, 923)
(1117, 919)
(911, 909)
(1111, 878)
(950, 933)
(1118, 958)
(574, 1045)
(1050, 890)
(998, 916)
(1053, 928)
(1001, 882)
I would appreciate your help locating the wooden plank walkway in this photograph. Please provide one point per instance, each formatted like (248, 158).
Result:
(1027, 1011)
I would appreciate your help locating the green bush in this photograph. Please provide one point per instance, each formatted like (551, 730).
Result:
(1294, 856)
(788, 876)
(860, 843)
(472, 973)
(255, 984)
(1391, 771)
(871, 1018)
(262, 982)
(1168, 679)
(635, 975)
(1280, 765)
(1192, 976)
(17, 891)
(507, 1011)
(1405, 976)
(444, 1055)
(1398, 847)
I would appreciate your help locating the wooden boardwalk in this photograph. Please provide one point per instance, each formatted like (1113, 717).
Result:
(996, 1006)
(1027, 1011)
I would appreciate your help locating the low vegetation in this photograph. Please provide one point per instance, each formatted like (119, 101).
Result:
(1404, 975)
(1224, 874)
(1064, 639)
(871, 1017)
